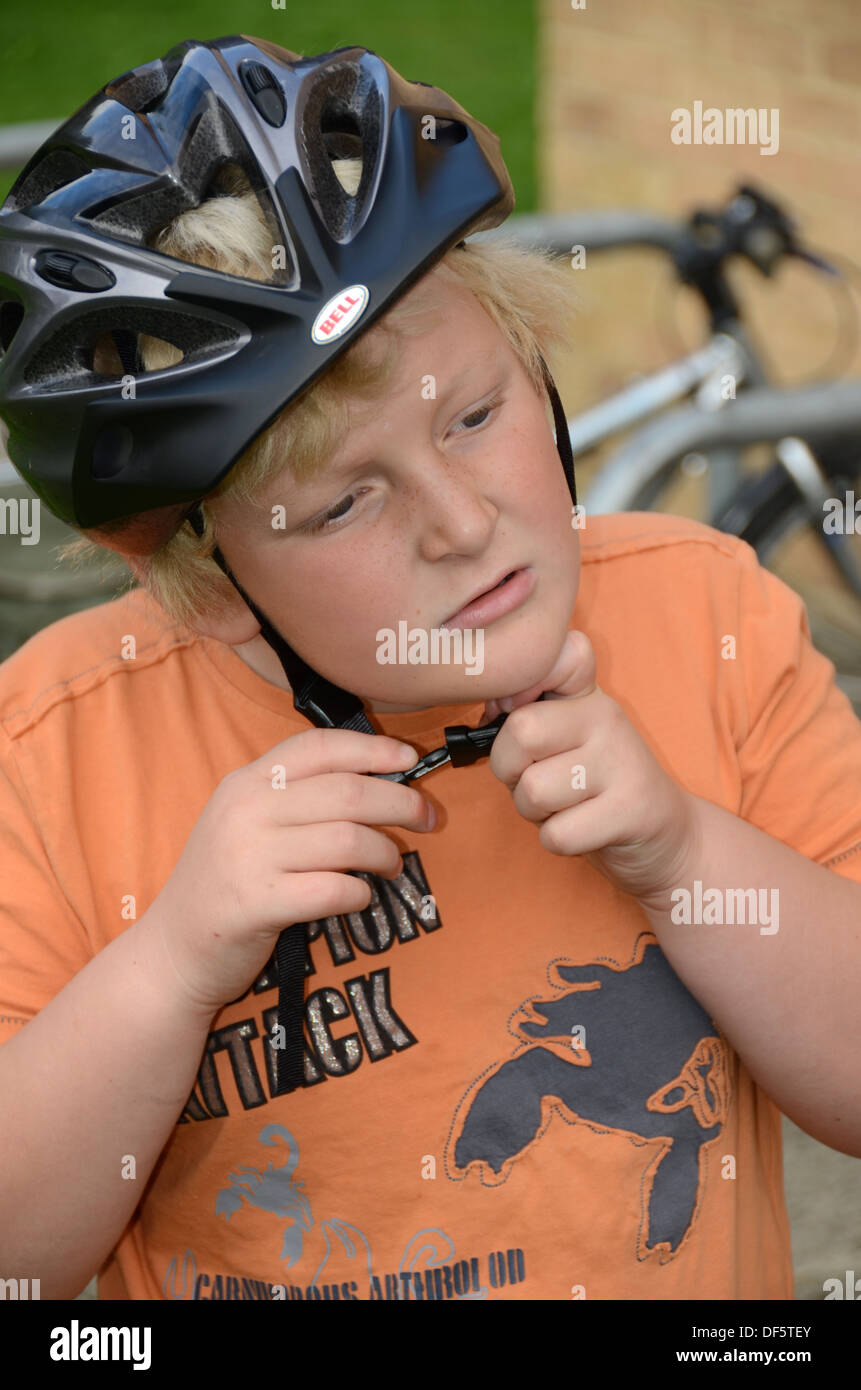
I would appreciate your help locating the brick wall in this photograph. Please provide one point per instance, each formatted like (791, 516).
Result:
(611, 75)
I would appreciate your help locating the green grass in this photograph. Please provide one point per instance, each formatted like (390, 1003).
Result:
(483, 52)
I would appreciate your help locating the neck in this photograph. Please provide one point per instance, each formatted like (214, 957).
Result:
(261, 658)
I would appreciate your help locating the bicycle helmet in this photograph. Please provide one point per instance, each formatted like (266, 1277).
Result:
(75, 265)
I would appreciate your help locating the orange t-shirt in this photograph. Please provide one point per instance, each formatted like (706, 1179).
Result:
(449, 1141)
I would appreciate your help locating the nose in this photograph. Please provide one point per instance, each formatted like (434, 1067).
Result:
(456, 514)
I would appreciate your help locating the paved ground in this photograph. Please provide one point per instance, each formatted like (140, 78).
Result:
(823, 1196)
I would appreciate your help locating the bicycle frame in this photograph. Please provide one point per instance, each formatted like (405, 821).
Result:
(643, 461)
(729, 352)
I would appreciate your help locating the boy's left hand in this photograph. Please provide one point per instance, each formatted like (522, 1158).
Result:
(625, 814)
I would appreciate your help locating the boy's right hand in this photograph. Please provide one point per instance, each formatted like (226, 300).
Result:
(262, 857)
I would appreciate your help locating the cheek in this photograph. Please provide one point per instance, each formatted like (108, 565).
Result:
(539, 488)
(543, 505)
(340, 594)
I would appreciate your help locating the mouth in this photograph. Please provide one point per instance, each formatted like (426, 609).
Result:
(503, 596)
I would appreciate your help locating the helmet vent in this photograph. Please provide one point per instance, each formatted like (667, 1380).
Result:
(336, 121)
(132, 218)
(11, 314)
(140, 88)
(210, 138)
(83, 352)
(342, 139)
(38, 181)
(449, 132)
(341, 119)
(123, 353)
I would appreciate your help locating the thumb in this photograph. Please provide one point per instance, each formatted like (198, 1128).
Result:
(573, 674)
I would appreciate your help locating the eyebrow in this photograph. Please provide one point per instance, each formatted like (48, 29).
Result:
(482, 364)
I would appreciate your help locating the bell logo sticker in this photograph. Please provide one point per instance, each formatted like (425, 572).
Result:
(340, 313)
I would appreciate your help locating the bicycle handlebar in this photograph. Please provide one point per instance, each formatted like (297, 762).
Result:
(600, 230)
(751, 225)
(816, 414)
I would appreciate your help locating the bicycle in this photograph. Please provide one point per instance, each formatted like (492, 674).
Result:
(815, 430)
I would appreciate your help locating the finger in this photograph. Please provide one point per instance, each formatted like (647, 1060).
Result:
(347, 796)
(326, 751)
(491, 711)
(343, 845)
(579, 830)
(555, 783)
(572, 674)
(333, 750)
(538, 732)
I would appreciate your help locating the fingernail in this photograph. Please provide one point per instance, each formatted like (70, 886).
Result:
(431, 815)
(507, 704)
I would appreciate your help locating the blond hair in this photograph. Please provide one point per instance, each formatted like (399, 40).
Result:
(528, 294)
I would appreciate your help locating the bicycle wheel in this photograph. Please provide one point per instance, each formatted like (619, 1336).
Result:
(770, 513)
(776, 519)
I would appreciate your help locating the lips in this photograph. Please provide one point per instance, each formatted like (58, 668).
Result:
(481, 592)
(510, 591)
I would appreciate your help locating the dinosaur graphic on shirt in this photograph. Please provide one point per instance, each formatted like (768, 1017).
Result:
(652, 1064)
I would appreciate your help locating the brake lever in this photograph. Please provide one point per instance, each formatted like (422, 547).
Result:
(816, 261)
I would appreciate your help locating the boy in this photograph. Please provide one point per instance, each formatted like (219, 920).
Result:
(552, 1085)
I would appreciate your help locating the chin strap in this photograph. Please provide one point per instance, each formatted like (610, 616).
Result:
(328, 706)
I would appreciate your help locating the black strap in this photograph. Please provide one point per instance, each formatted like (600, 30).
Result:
(128, 350)
(290, 954)
(563, 437)
(327, 706)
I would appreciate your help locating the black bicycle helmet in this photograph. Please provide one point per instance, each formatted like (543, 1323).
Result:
(75, 265)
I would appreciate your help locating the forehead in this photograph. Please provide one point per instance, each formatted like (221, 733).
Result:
(449, 340)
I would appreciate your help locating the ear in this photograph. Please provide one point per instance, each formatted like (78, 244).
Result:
(232, 625)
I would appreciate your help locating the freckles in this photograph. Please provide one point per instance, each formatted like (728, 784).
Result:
(368, 589)
(538, 485)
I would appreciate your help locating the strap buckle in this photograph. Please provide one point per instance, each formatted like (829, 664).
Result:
(462, 746)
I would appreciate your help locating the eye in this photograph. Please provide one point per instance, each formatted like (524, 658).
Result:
(334, 514)
(344, 507)
(479, 416)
